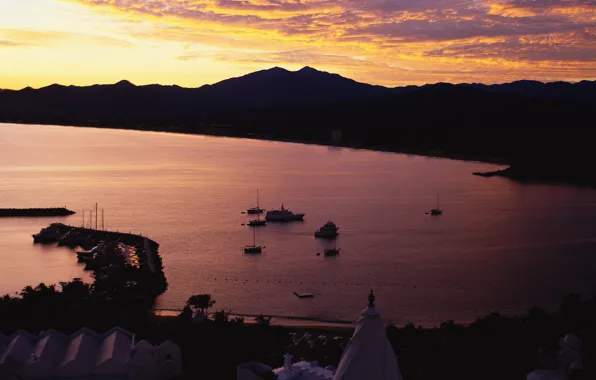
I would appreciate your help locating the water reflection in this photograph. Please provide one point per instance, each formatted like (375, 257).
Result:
(499, 245)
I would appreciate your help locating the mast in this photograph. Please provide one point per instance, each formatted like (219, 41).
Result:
(83, 225)
(254, 237)
(96, 216)
(258, 198)
(102, 221)
(437, 201)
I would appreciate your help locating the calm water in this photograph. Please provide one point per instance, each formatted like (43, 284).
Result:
(500, 245)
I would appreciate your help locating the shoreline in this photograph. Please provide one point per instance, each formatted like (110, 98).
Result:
(547, 172)
(436, 153)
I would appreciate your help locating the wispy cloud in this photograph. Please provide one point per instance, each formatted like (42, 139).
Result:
(34, 38)
(450, 38)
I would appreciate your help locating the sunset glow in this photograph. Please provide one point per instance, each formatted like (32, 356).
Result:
(388, 42)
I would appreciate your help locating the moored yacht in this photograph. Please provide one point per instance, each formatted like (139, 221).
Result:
(254, 248)
(283, 215)
(329, 231)
(257, 222)
(255, 210)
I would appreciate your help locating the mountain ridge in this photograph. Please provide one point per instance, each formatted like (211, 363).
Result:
(575, 91)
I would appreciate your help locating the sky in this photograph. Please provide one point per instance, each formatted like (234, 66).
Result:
(386, 42)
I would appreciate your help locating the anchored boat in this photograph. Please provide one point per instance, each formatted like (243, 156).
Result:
(328, 231)
(283, 215)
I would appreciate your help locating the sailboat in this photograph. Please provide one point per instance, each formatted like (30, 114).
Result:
(438, 210)
(254, 248)
(255, 210)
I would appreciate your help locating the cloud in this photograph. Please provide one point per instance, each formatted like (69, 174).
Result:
(460, 37)
(10, 43)
(33, 38)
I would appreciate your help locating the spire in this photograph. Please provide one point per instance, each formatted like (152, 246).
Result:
(371, 299)
(369, 354)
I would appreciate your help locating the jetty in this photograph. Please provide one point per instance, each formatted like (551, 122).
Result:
(35, 212)
(112, 256)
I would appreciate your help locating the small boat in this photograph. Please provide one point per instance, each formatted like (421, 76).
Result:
(254, 248)
(332, 251)
(304, 294)
(255, 210)
(84, 256)
(257, 222)
(283, 215)
(438, 210)
(328, 231)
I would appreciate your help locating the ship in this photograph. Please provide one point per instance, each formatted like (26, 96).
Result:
(283, 215)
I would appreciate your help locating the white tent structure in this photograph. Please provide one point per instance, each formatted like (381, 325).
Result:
(86, 355)
(369, 355)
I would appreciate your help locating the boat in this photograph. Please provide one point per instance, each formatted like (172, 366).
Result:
(329, 231)
(255, 210)
(47, 235)
(257, 222)
(332, 251)
(87, 255)
(71, 239)
(304, 294)
(254, 248)
(283, 215)
(438, 210)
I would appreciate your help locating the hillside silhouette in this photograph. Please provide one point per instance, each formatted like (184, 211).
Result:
(542, 129)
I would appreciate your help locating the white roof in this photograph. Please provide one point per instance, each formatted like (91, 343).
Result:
(80, 355)
(17, 350)
(305, 371)
(86, 355)
(113, 354)
(47, 355)
(369, 354)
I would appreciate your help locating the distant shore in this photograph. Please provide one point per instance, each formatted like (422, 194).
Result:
(535, 173)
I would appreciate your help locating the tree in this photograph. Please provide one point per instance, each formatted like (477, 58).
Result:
(221, 316)
(201, 302)
(263, 321)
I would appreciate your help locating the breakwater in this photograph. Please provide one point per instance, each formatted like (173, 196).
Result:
(112, 256)
(35, 212)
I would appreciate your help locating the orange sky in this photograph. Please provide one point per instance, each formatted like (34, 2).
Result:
(388, 42)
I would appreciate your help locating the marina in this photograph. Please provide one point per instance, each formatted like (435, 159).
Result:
(110, 254)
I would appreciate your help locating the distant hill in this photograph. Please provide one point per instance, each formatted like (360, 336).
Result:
(529, 124)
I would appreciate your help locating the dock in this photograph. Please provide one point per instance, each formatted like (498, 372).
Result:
(111, 254)
(35, 212)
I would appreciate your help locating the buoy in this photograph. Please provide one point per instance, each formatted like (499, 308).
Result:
(318, 253)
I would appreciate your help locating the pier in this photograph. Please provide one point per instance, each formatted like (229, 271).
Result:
(35, 212)
(112, 256)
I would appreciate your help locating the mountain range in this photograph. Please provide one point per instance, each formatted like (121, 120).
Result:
(528, 124)
(261, 89)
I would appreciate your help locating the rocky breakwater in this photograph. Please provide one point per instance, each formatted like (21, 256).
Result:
(35, 212)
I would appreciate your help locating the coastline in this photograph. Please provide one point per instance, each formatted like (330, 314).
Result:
(431, 153)
(532, 170)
